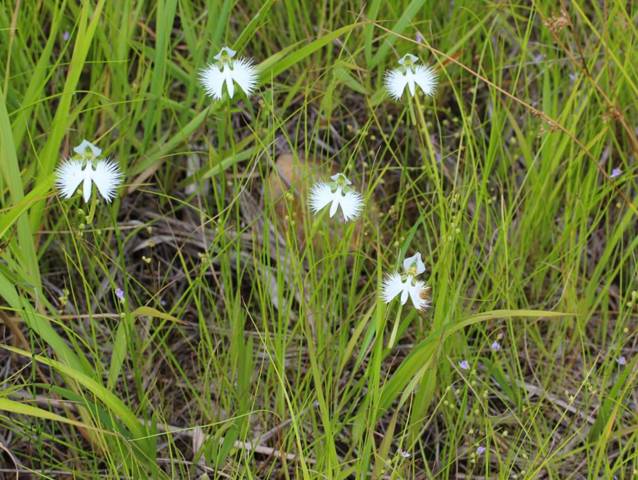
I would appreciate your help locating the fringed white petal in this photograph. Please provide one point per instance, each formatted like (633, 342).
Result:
(69, 175)
(418, 294)
(351, 205)
(320, 196)
(395, 82)
(245, 74)
(212, 79)
(107, 176)
(426, 79)
(392, 286)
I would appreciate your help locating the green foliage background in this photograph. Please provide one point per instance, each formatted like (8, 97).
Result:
(246, 350)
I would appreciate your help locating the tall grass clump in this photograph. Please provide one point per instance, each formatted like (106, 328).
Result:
(318, 239)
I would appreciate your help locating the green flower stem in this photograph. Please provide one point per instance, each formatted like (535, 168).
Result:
(89, 218)
(395, 327)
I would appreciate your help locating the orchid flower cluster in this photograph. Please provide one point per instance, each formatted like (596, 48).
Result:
(230, 74)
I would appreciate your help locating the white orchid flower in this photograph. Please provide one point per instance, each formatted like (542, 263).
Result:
(409, 74)
(227, 70)
(406, 285)
(87, 168)
(337, 194)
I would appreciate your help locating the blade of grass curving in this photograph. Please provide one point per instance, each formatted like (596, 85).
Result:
(111, 401)
(422, 353)
(38, 193)
(38, 79)
(40, 325)
(368, 30)
(157, 154)
(121, 339)
(258, 19)
(164, 24)
(19, 408)
(269, 68)
(60, 123)
(10, 171)
(401, 24)
(219, 21)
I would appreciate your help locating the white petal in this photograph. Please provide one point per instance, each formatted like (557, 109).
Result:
(417, 292)
(86, 186)
(351, 204)
(212, 79)
(68, 177)
(416, 261)
(395, 82)
(409, 76)
(426, 78)
(107, 176)
(245, 74)
(228, 79)
(392, 286)
(335, 203)
(81, 148)
(229, 51)
(320, 196)
(404, 293)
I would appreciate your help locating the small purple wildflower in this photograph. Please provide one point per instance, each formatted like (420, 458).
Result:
(66, 36)
(464, 365)
(622, 361)
(119, 293)
(495, 346)
(615, 173)
(480, 450)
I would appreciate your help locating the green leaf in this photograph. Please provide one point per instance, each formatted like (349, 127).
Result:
(19, 408)
(10, 171)
(139, 435)
(400, 25)
(411, 370)
(282, 61)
